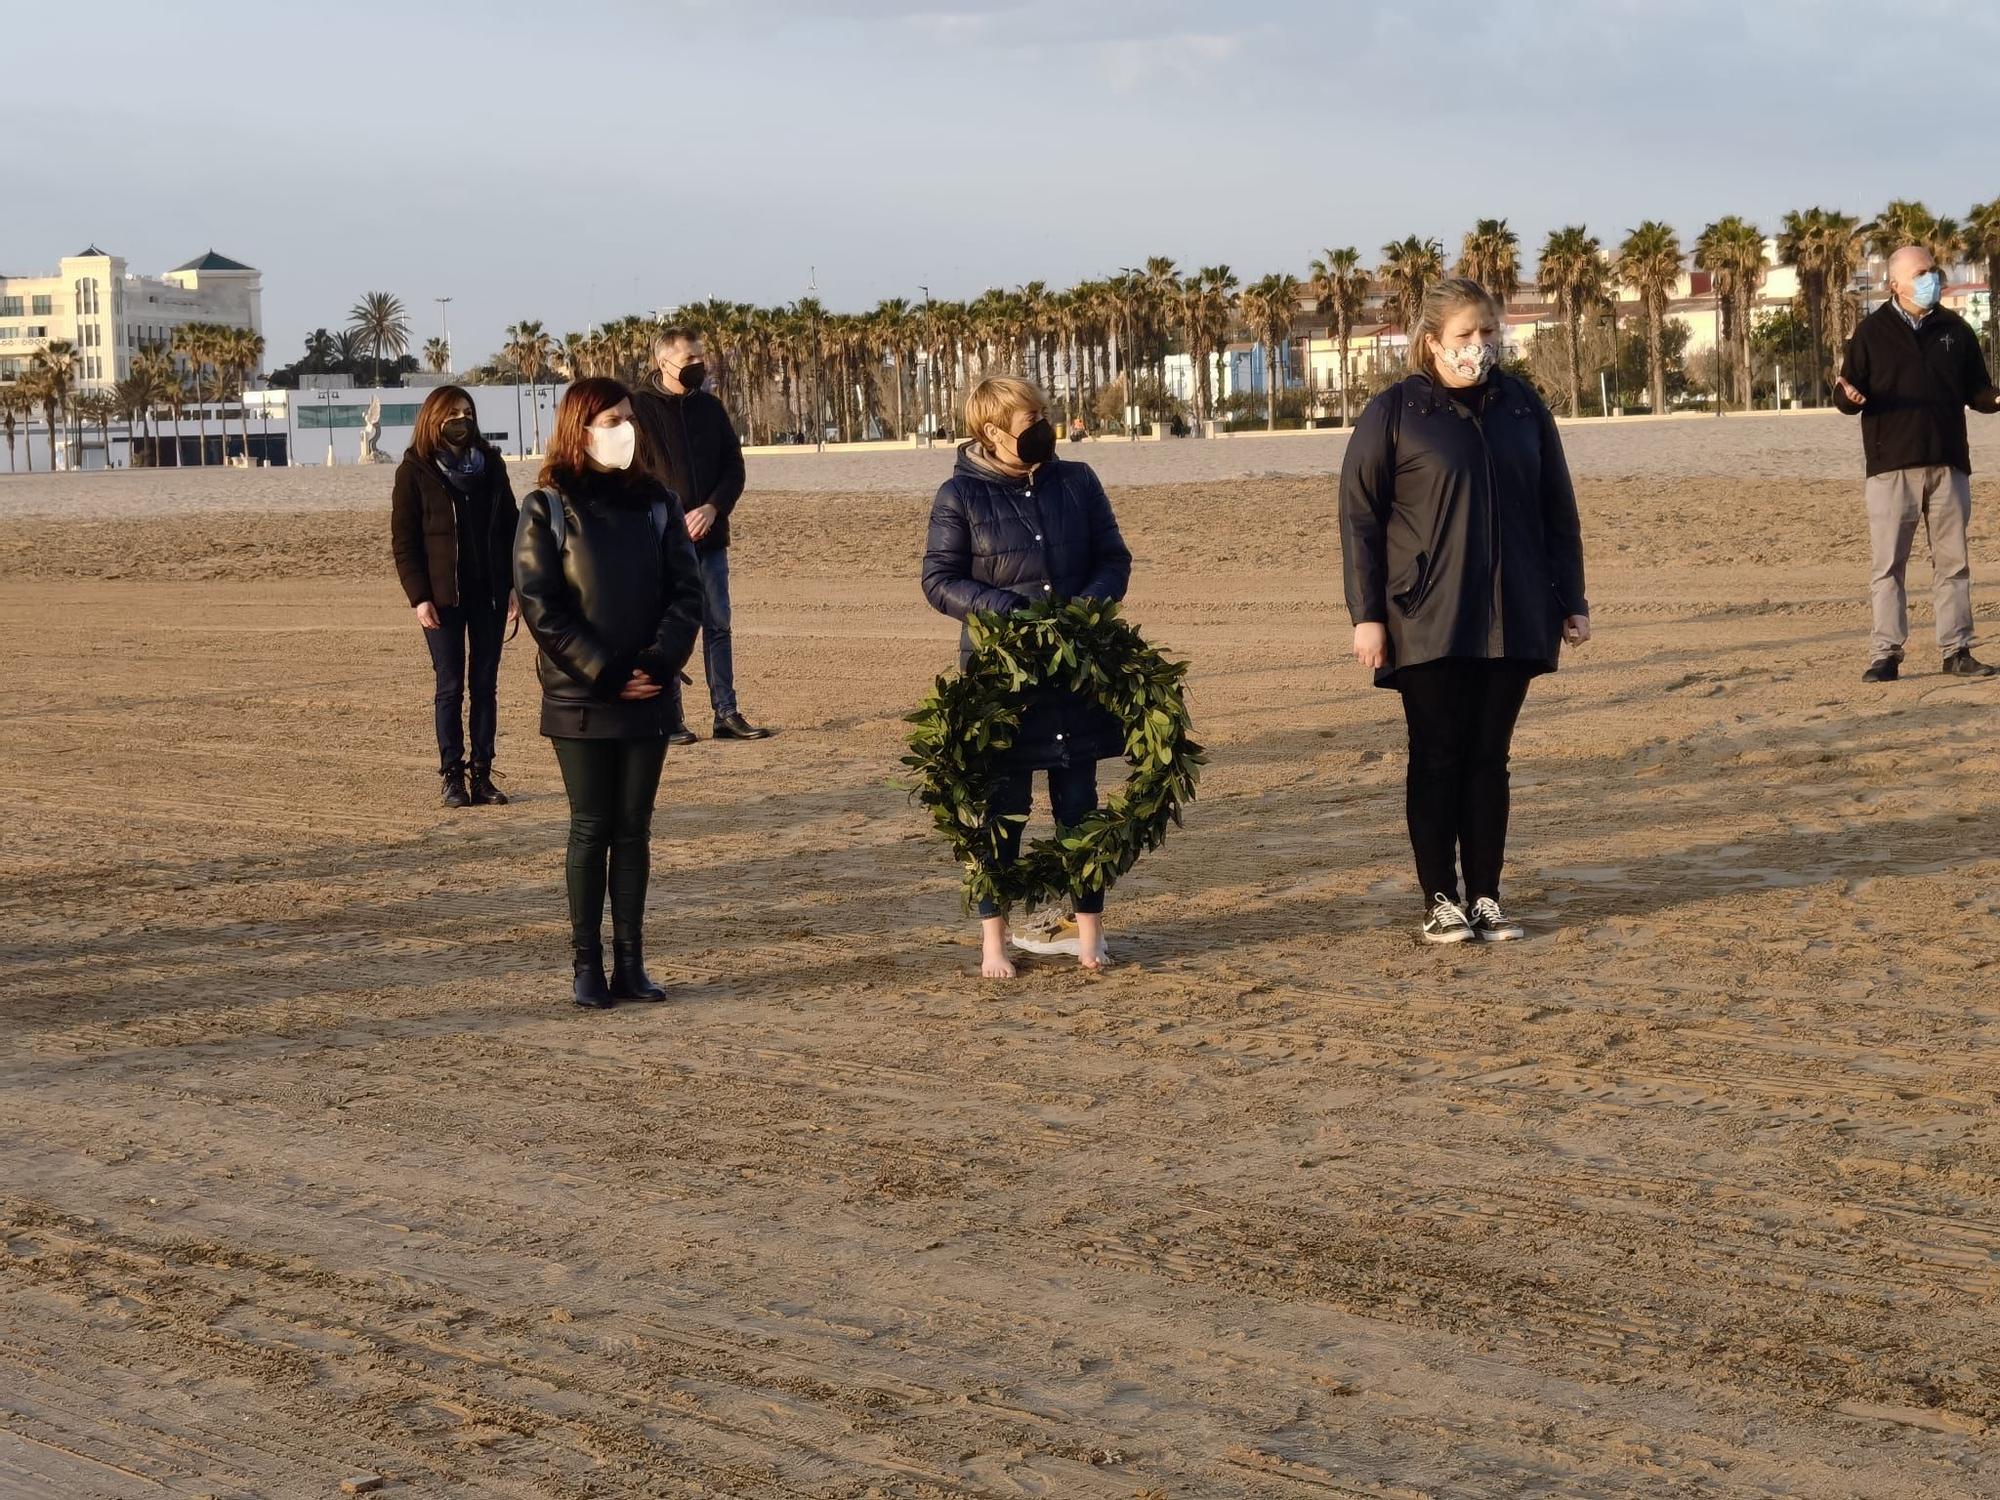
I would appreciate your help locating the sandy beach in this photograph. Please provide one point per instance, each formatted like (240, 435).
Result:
(309, 1170)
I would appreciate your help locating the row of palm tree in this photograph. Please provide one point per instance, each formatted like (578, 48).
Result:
(798, 367)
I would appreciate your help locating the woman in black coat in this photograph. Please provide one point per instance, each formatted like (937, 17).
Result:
(609, 589)
(451, 530)
(1013, 525)
(1464, 571)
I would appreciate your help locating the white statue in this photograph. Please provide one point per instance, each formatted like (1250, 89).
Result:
(371, 429)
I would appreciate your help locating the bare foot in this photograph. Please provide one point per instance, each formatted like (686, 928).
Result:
(1090, 952)
(993, 960)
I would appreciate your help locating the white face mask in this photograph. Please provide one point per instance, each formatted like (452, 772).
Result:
(613, 446)
(1469, 362)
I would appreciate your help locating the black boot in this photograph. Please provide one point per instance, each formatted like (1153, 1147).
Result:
(454, 793)
(628, 973)
(590, 991)
(484, 792)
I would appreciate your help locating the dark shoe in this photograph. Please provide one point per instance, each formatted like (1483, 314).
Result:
(454, 793)
(628, 974)
(1884, 670)
(590, 991)
(681, 735)
(736, 727)
(1962, 663)
(1447, 922)
(484, 792)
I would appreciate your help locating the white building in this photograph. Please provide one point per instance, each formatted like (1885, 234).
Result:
(109, 315)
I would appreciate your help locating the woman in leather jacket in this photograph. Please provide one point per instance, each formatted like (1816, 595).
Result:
(609, 590)
(451, 531)
(1013, 525)
(1464, 572)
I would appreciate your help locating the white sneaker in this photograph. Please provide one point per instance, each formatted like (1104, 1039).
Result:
(1056, 937)
(1492, 925)
(1447, 922)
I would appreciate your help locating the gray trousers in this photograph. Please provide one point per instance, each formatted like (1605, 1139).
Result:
(1941, 499)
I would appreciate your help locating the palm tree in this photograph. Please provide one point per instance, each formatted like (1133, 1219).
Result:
(1409, 268)
(1982, 245)
(13, 404)
(527, 350)
(97, 407)
(1491, 256)
(1571, 275)
(1205, 310)
(437, 356)
(381, 322)
(195, 343)
(1731, 250)
(53, 367)
(1340, 286)
(1649, 261)
(245, 352)
(1268, 306)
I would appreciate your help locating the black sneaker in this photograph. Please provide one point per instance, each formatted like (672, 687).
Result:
(1885, 669)
(1492, 925)
(1962, 663)
(1447, 922)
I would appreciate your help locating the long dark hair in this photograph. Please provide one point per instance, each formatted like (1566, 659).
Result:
(569, 447)
(431, 416)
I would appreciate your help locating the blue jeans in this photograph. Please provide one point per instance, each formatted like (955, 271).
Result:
(466, 630)
(1072, 798)
(717, 664)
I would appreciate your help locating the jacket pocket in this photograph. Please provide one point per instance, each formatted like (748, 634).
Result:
(1412, 598)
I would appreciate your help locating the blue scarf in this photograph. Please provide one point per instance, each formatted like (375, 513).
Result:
(463, 472)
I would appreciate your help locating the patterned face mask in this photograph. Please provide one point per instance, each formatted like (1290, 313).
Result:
(1469, 362)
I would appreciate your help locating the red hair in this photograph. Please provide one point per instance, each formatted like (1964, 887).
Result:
(569, 445)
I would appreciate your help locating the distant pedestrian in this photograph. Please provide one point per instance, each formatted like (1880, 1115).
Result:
(1911, 370)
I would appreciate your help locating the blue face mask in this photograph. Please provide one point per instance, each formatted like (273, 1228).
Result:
(1926, 289)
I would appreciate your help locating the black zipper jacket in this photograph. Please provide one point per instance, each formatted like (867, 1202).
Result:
(622, 592)
(1918, 382)
(425, 534)
(691, 447)
(1458, 525)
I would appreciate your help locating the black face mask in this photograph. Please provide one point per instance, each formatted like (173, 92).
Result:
(1036, 444)
(457, 430)
(692, 374)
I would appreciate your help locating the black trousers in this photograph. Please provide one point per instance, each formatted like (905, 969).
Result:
(1461, 715)
(474, 631)
(1072, 798)
(611, 785)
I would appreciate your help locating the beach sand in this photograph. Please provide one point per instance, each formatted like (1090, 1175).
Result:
(309, 1169)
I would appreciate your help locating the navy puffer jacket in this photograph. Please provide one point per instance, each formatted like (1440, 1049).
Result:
(999, 543)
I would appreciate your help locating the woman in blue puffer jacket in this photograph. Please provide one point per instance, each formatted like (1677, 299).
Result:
(1015, 524)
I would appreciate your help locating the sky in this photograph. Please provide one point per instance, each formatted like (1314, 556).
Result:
(574, 164)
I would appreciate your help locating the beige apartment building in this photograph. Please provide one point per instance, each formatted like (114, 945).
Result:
(108, 314)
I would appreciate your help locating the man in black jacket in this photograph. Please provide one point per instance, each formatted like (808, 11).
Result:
(691, 448)
(1912, 368)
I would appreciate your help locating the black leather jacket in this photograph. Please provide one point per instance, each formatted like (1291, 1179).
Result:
(998, 543)
(618, 596)
(1458, 526)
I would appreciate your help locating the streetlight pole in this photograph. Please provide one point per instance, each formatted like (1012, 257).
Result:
(819, 365)
(444, 304)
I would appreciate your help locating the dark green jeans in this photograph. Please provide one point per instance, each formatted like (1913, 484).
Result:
(611, 785)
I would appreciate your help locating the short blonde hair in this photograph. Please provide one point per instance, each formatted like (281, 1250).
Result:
(995, 399)
(1441, 300)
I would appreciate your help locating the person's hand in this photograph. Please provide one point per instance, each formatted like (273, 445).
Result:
(701, 521)
(1371, 644)
(513, 609)
(639, 688)
(427, 615)
(1847, 389)
(1576, 629)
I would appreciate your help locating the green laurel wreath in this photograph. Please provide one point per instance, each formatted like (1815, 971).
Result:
(970, 718)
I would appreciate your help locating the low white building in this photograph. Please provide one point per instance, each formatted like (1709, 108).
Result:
(108, 314)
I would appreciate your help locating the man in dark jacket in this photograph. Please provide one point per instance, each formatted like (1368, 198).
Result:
(691, 448)
(1912, 368)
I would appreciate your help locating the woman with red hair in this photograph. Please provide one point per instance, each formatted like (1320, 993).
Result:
(609, 589)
